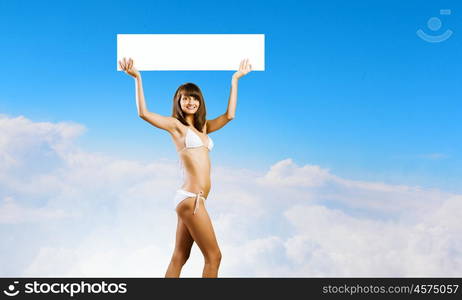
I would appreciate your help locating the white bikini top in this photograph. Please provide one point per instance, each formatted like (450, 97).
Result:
(192, 140)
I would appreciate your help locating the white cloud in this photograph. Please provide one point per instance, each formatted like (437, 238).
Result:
(13, 213)
(286, 173)
(69, 212)
(367, 247)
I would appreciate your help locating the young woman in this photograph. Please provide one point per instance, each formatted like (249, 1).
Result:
(189, 130)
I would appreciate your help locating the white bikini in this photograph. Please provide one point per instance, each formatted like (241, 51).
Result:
(192, 140)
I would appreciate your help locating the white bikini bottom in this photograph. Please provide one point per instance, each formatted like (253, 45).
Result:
(181, 194)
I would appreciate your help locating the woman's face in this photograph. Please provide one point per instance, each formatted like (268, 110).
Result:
(189, 104)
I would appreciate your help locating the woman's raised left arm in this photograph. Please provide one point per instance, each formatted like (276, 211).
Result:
(212, 125)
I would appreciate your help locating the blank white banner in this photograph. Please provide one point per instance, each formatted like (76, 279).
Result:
(192, 52)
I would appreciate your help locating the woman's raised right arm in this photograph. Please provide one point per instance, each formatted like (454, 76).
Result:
(170, 124)
(140, 102)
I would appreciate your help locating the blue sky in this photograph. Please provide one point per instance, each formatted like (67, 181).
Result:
(347, 86)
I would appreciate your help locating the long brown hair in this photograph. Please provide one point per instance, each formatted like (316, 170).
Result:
(189, 89)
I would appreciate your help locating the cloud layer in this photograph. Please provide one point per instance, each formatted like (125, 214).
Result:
(67, 212)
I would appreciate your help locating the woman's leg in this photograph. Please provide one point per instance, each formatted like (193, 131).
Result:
(201, 229)
(182, 250)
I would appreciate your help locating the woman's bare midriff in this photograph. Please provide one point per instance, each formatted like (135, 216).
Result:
(196, 163)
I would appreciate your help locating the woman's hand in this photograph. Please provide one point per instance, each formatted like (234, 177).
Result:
(127, 67)
(244, 68)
